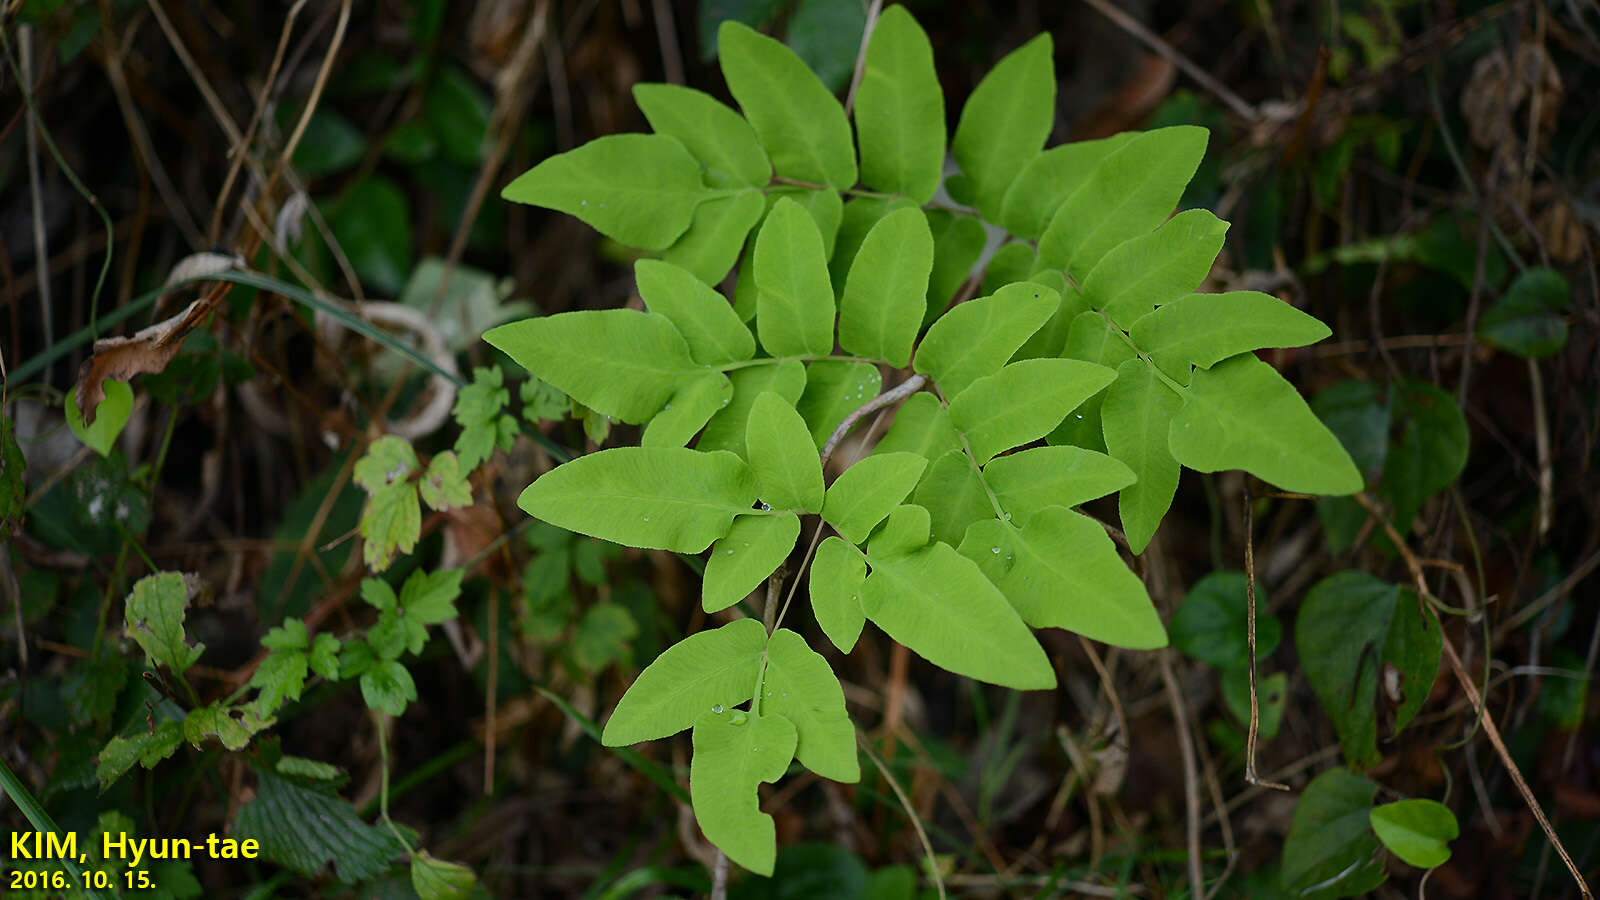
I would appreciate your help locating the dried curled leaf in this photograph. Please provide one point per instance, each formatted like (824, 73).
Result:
(146, 352)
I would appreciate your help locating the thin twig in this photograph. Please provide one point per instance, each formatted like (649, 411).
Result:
(719, 877)
(861, 55)
(1541, 434)
(899, 392)
(1145, 36)
(41, 244)
(1250, 774)
(911, 812)
(1191, 775)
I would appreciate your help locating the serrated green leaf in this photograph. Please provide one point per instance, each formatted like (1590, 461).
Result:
(726, 430)
(391, 523)
(1530, 320)
(976, 338)
(1005, 122)
(663, 498)
(1210, 624)
(794, 299)
(921, 426)
(837, 574)
(153, 617)
(954, 495)
(141, 747)
(1030, 480)
(1156, 268)
(280, 677)
(734, 752)
(800, 687)
(1241, 414)
(783, 456)
(801, 125)
(387, 460)
(1350, 627)
(743, 558)
(430, 598)
(1060, 570)
(602, 636)
(216, 722)
(705, 671)
(444, 485)
(904, 530)
(1205, 329)
(387, 687)
(639, 189)
(275, 819)
(827, 34)
(688, 411)
(291, 635)
(867, 491)
(938, 604)
(885, 296)
(834, 389)
(899, 110)
(324, 656)
(1023, 402)
(619, 362)
(109, 416)
(437, 879)
(712, 244)
(1130, 193)
(722, 141)
(1136, 419)
(1049, 179)
(958, 241)
(479, 411)
(1331, 851)
(1417, 831)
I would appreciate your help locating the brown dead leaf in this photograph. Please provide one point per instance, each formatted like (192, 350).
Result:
(147, 351)
(1500, 85)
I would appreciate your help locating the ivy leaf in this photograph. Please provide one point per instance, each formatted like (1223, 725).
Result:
(1210, 623)
(867, 491)
(834, 389)
(885, 296)
(1351, 628)
(938, 604)
(735, 752)
(978, 337)
(800, 687)
(741, 560)
(899, 110)
(711, 670)
(1130, 193)
(1156, 268)
(390, 524)
(1049, 179)
(712, 244)
(1241, 414)
(726, 430)
(782, 456)
(794, 300)
(1331, 851)
(444, 485)
(695, 402)
(638, 189)
(799, 122)
(620, 362)
(1030, 480)
(1417, 831)
(837, 574)
(954, 495)
(1205, 329)
(663, 498)
(153, 617)
(387, 687)
(437, 879)
(1136, 420)
(109, 417)
(1004, 124)
(387, 460)
(1023, 402)
(713, 133)
(1060, 570)
(1530, 320)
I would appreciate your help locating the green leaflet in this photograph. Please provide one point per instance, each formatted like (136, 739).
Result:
(825, 205)
(827, 34)
(640, 189)
(1156, 268)
(1023, 402)
(154, 617)
(1052, 338)
(953, 494)
(1136, 420)
(1530, 320)
(1090, 337)
(899, 110)
(1132, 191)
(885, 295)
(799, 122)
(905, 530)
(867, 491)
(1030, 480)
(1241, 414)
(938, 604)
(619, 362)
(713, 133)
(734, 752)
(663, 498)
(688, 411)
(1417, 831)
(1205, 329)
(437, 879)
(783, 456)
(744, 557)
(921, 426)
(1049, 179)
(800, 687)
(794, 298)
(1004, 124)
(957, 243)
(1331, 851)
(856, 219)
(726, 430)
(712, 244)
(1430, 451)
(704, 672)
(834, 389)
(1350, 626)
(709, 326)
(1011, 263)
(976, 338)
(837, 573)
(1060, 570)
(1211, 623)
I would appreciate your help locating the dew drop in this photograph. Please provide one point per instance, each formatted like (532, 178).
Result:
(647, 518)
(994, 549)
(739, 717)
(717, 708)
